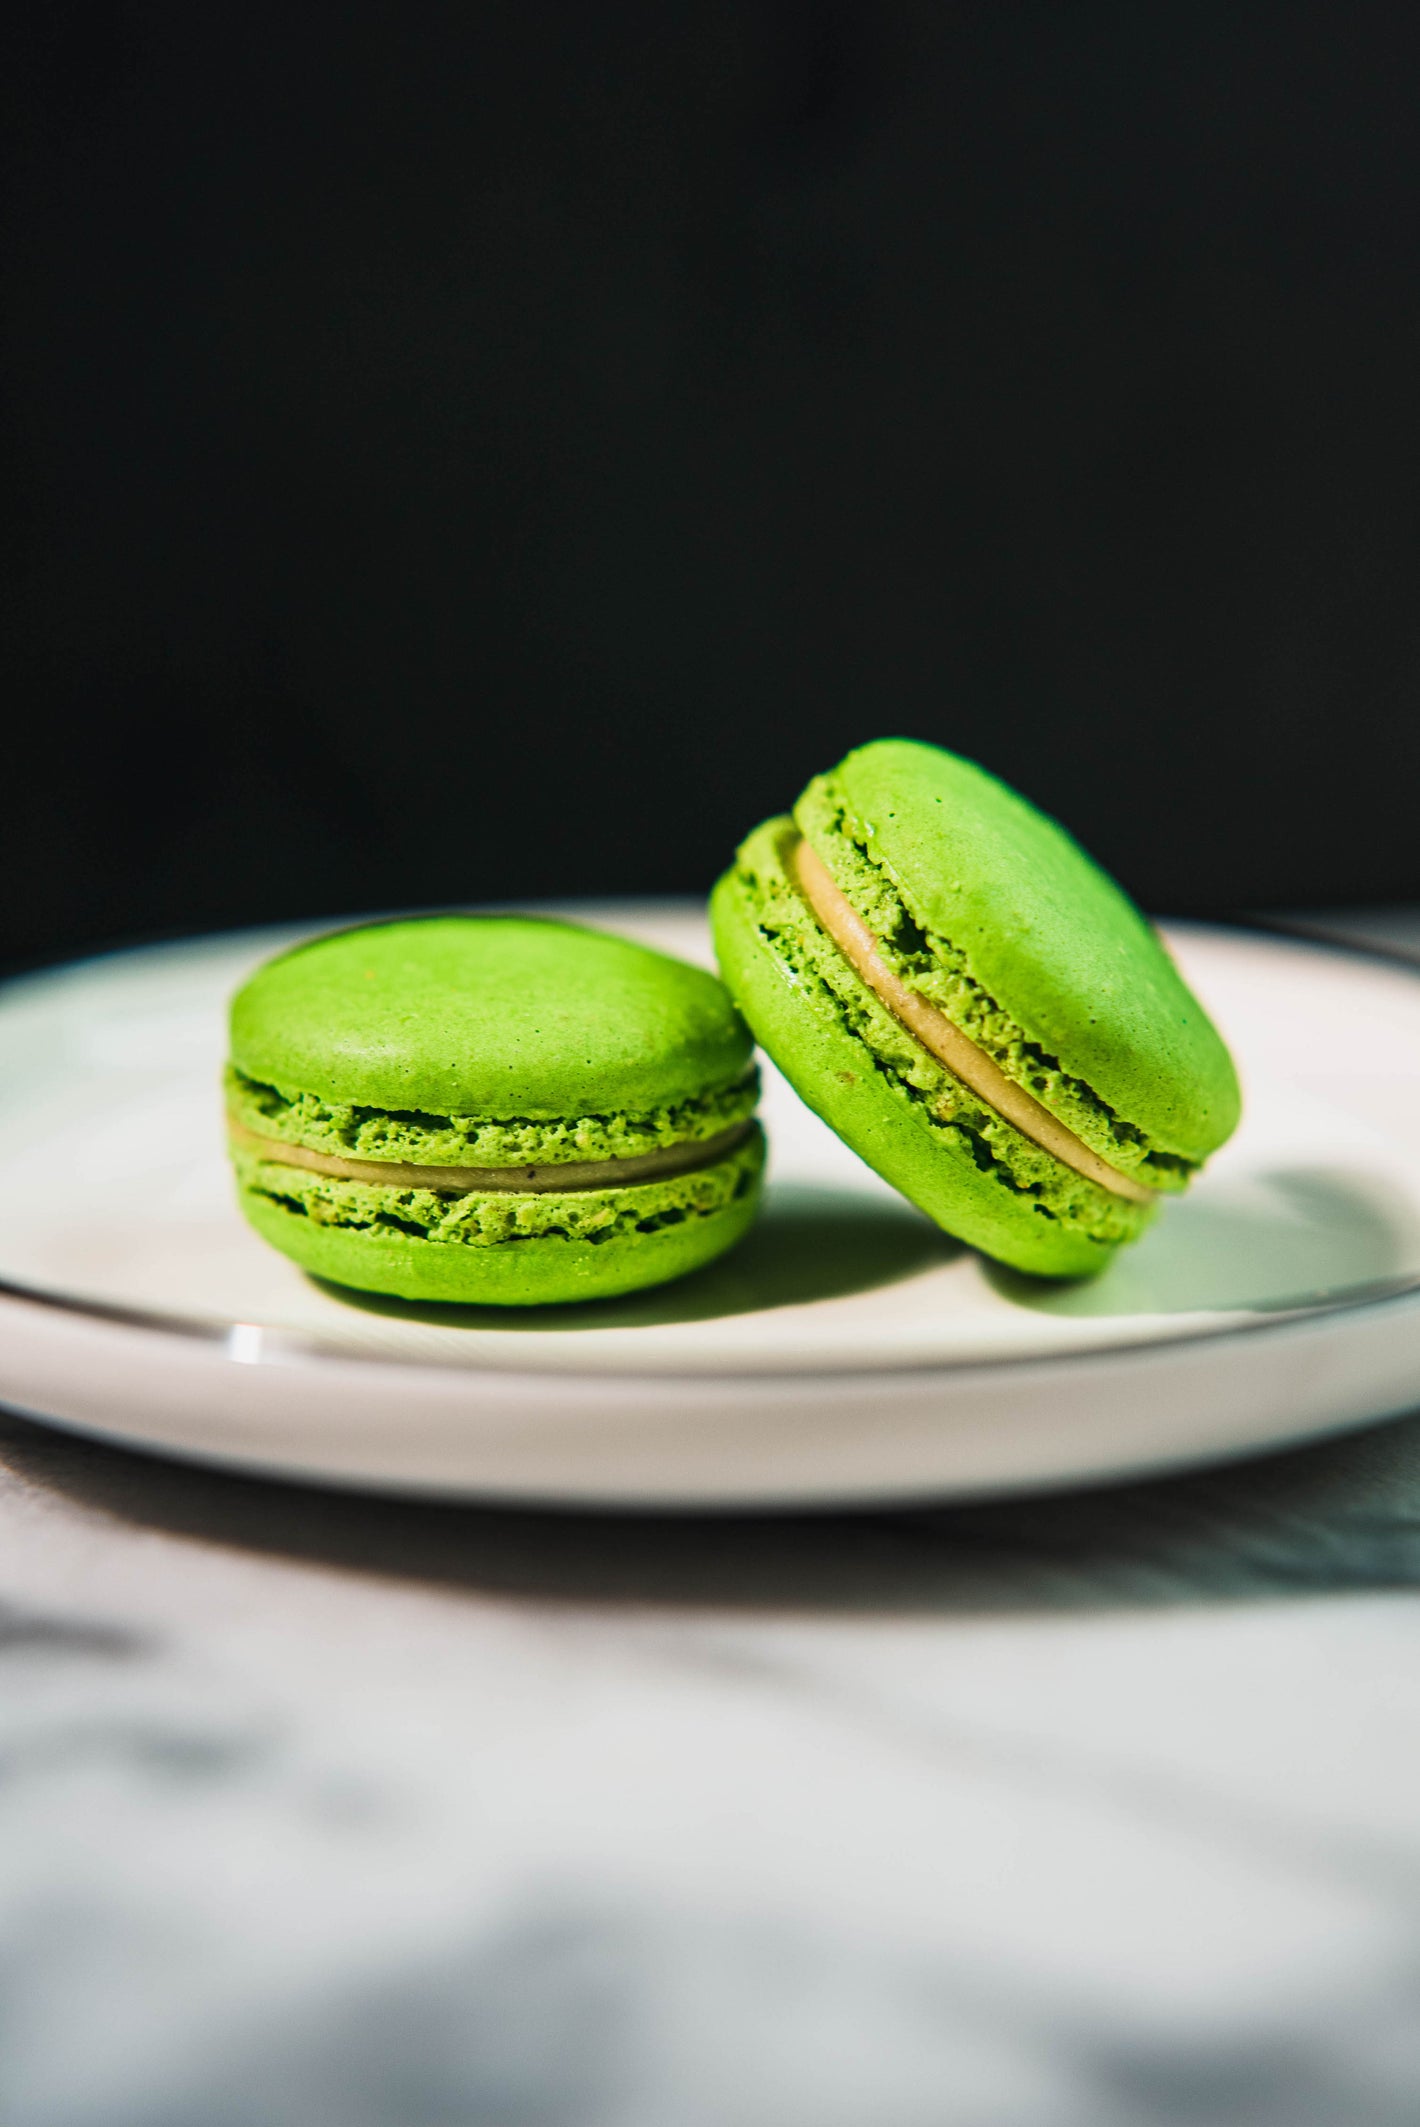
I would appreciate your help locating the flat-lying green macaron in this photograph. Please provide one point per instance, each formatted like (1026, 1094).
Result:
(492, 1108)
(974, 1007)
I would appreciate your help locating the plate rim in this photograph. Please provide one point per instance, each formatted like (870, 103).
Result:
(274, 1345)
(1116, 1458)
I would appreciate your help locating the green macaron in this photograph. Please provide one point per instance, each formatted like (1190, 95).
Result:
(974, 1007)
(491, 1108)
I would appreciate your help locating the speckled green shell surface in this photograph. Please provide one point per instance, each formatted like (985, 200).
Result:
(487, 1016)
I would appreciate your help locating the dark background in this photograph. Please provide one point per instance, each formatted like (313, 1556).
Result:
(485, 450)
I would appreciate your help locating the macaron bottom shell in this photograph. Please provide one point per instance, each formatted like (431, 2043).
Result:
(900, 1109)
(507, 1250)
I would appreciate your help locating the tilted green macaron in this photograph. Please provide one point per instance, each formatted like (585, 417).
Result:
(491, 1108)
(974, 1007)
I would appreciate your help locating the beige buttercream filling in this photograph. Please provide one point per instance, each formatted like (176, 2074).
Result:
(683, 1158)
(946, 1042)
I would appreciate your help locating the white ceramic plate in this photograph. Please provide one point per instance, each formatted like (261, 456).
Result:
(845, 1351)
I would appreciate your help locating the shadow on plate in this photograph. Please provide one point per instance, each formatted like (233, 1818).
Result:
(1282, 1239)
(808, 1244)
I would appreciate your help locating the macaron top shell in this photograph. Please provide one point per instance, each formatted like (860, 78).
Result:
(1031, 948)
(497, 1016)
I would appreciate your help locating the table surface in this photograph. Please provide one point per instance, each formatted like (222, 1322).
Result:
(1088, 1811)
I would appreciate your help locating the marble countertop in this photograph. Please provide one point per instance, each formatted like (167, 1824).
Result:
(1078, 1812)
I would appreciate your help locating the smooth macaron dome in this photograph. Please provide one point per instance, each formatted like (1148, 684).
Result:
(974, 1006)
(502, 1109)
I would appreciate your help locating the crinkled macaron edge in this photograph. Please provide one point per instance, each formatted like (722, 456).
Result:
(548, 1271)
(305, 1117)
(499, 1218)
(503, 1248)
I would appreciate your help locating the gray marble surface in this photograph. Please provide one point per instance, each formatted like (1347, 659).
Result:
(1073, 1812)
